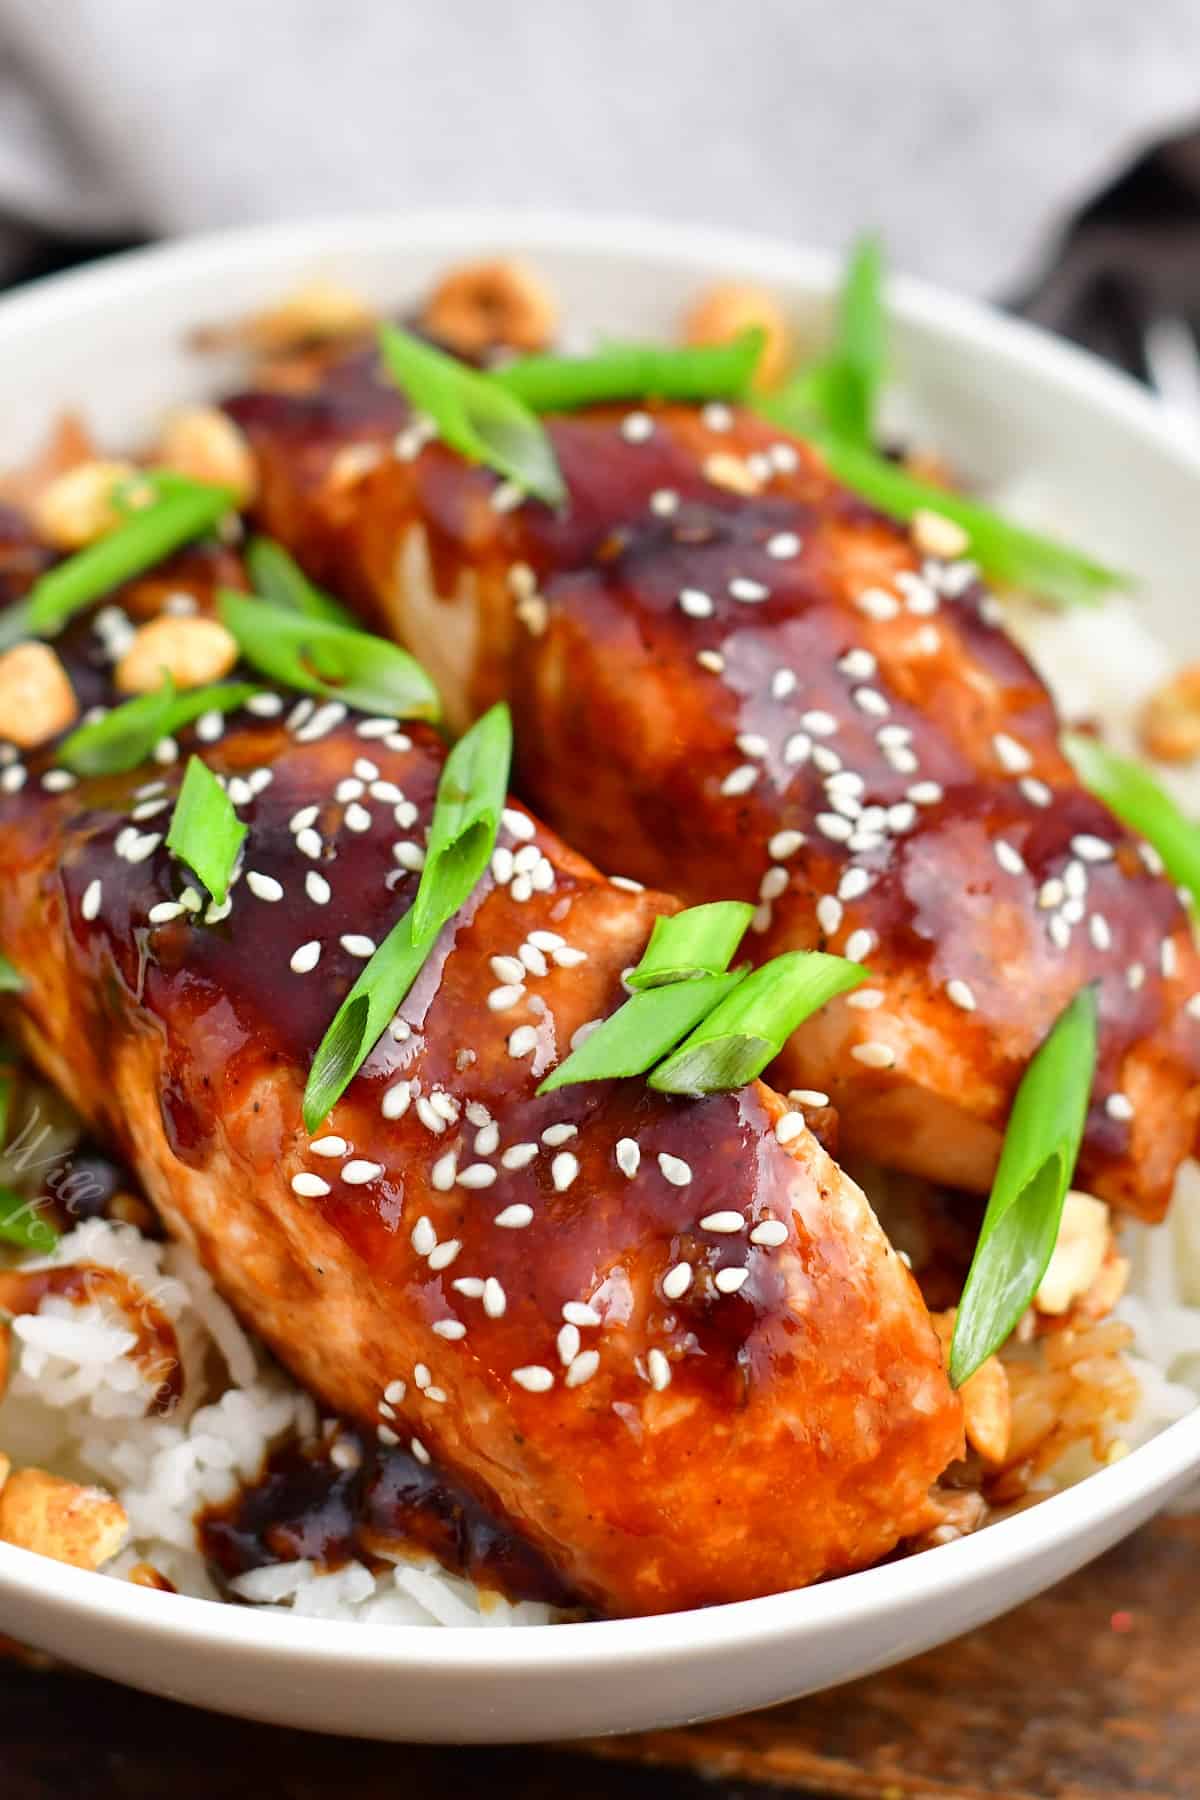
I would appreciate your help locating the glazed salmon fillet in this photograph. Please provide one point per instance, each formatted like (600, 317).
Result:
(732, 678)
(664, 1341)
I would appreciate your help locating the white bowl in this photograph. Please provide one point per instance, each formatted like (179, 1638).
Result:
(1007, 400)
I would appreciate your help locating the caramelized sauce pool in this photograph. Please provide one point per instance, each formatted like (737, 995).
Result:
(304, 1505)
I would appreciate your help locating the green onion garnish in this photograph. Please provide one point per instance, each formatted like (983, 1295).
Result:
(205, 831)
(22, 1224)
(550, 384)
(853, 372)
(1020, 1227)
(1131, 792)
(11, 979)
(474, 414)
(466, 818)
(737, 1040)
(687, 945)
(319, 657)
(14, 624)
(281, 580)
(181, 510)
(462, 836)
(127, 735)
(641, 1032)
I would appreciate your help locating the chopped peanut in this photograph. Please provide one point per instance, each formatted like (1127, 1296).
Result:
(37, 700)
(77, 508)
(483, 305)
(203, 442)
(937, 535)
(317, 312)
(82, 1526)
(1107, 1288)
(1169, 725)
(1083, 1240)
(726, 471)
(986, 1401)
(722, 312)
(192, 651)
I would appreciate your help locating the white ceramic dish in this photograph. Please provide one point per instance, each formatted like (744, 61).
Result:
(1006, 400)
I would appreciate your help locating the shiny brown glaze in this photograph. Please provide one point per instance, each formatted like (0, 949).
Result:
(655, 1453)
(852, 690)
(156, 1349)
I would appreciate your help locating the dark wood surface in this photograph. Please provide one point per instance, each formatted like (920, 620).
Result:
(1089, 1693)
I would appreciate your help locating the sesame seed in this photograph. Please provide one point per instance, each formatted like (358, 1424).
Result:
(677, 1281)
(797, 749)
(443, 1254)
(503, 999)
(723, 1222)
(874, 1056)
(1035, 791)
(1151, 858)
(659, 1370)
(329, 1146)
(89, 906)
(834, 827)
(740, 780)
(712, 660)
(1169, 958)
(877, 603)
(563, 1170)
(357, 817)
(784, 844)
(419, 1451)
(664, 502)
(534, 1378)
(1052, 893)
(449, 1328)
(387, 1437)
(518, 1156)
(783, 683)
(808, 1097)
(1013, 757)
(523, 1041)
(308, 842)
(582, 1369)
(396, 1100)
(495, 1300)
(961, 993)
(870, 700)
(1060, 931)
(554, 1135)
(575, 1312)
(515, 1217)
(783, 545)
(1119, 1106)
(487, 1139)
(1092, 849)
(865, 999)
(829, 914)
(359, 1172)
(568, 1345)
(1075, 880)
(901, 817)
(306, 957)
(674, 1169)
(819, 722)
(165, 911)
(629, 1156)
(859, 945)
(1135, 975)
(789, 1126)
(695, 603)
(926, 793)
(854, 884)
(742, 588)
(1099, 932)
(265, 706)
(1009, 858)
(354, 944)
(444, 1171)
(637, 427)
(532, 959)
(264, 887)
(770, 1234)
(424, 1237)
(750, 743)
(394, 1392)
(310, 1186)
(728, 1281)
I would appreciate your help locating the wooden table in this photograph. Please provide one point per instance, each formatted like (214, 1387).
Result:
(1089, 1693)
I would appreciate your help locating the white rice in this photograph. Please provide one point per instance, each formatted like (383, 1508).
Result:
(77, 1403)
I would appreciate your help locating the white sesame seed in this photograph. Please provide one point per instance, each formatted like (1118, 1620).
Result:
(140, 847)
(874, 1056)
(870, 700)
(419, 1451)
(740, 780)
(348, 789)
(582, 1369)
(695, 603)
(568, 1344)
(265, 706)
(503, 999)
(421, 1376)
(357, 817)
(677, 1281)
(834, 827)
(1013, 757)
(784, 844)
(853, 884)
(518, 1156)
(354, 944)
(829, 914)
(449, 1328)
(674, 1169)
(495, 1300)
(637, 427)
(926, 793)
(445, 1105)
(264, 887)
(783, 683)
(859, 945)
(487, 1138)
(534, 1378)
(477, 1175)
(532, 959)
(563, 1170)
(306, 957)
(742, 588)
(569, 957)
(819, 722)
(523, 1041)
(1151, 858)
(1009, 858)
(1035, 791)
(1099, 932)
(444, 1171)
(1051, 894)
(723, 1222)
(310, 1186)
(309, 844)
(1119, 1106)
(712, 660)
(790, 1126)
(396, 1100)
(961, 993)
(877, 603)
(770, 1234)
(658, 1369)
(387, 1437)
(664, 503)
(1135, 975)
(575, 1312)
(1060, 931)
(359, 1172)
(728, 1281)
(750, 743)
(515, 1217)
(165, 911)
(797, 749)
(443, 1254)
(424, 1237)
(717, 416)
(554, 1135)
(89, 906)
(783, 545)
(394, 1392)
(1169, 959)
(1073, 911)
(1092, 849)
(329, 1146)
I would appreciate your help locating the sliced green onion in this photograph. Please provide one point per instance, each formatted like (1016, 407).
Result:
(462, 836)
(1131, 792)
(14, 624)
(281, 580)
(182, 510)
(550, 384)
(1020, 1227)
(475, 414)
(359, 1021)
(11, 979)
(737, 1040)
(22, 1224)
(641, 1032)
(466, 818)
(687, 945)
(319, 657)
(854, 371)
(127, 735)
(205, 831)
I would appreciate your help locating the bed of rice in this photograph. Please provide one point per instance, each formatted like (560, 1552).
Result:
(76, 1403)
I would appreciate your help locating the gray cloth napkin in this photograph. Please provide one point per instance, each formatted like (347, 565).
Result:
(966, 130)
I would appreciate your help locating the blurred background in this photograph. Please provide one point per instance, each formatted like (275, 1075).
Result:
(1040, 152)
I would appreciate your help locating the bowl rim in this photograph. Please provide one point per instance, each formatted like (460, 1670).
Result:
(1162, 1464)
